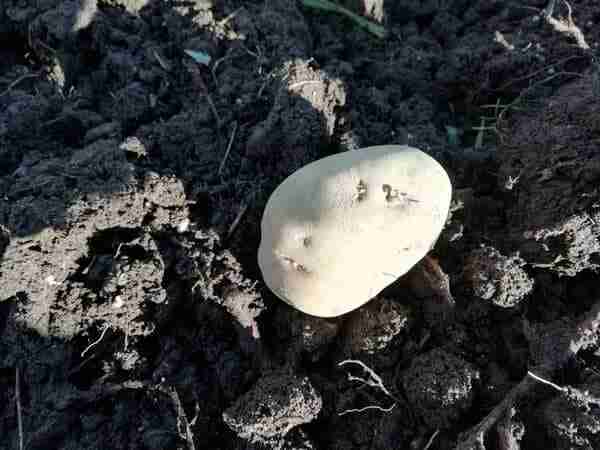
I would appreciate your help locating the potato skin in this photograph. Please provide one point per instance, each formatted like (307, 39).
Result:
(339, 230)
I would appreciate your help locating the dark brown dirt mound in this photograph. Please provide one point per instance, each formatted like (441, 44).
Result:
(132, 182)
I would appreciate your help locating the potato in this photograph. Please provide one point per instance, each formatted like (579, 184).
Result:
(339, 230)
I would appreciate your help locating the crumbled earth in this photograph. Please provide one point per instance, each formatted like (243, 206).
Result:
(139, 143)
(554, 216)
(375, 331)
(302, 336)
(440, 386)
(270, 409)
(572, 425)
(497, 278)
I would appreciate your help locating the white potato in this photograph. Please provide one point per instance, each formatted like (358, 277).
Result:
(339, 230)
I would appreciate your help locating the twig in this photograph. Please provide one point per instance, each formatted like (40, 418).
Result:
(579, 337)
(218, 62)
(481, 129)
(19, 408)
(183, 423)
(431, 439)
(79, 366)
(473, 439)
(230, 16)
(530, 88)
(256, 54)
(229, 145)
(535, 72)
(106, 327)
(500, 39)
(213, 108)
(126, 340)
(549, 9)
(196, 415)
(199, 81)
(166, 66)
(267, 78)
(18, 80)
(237, 219)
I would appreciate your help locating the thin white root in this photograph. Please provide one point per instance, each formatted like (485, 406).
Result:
(229, 145)
(544, 381)
(374, 380)
(366, 408)
(19, 408)
(431, 439)
(87, 349)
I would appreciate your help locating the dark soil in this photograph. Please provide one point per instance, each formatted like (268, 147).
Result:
(133, 314)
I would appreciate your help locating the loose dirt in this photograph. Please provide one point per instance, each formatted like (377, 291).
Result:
(133, 314)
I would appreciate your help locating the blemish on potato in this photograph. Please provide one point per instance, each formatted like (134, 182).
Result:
(361, 191)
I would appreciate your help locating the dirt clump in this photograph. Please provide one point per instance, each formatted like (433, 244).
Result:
(133, 178)
(572, 425)
(497, 278)
(376, 329)
(275, 405)
(440, 386)
(553, 211)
